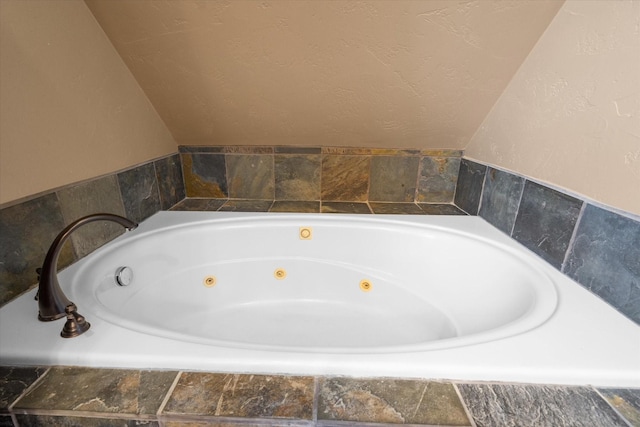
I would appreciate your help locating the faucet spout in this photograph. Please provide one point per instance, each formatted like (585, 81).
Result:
(52, 302)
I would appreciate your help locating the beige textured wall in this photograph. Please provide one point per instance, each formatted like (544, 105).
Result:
(571, 114)
(69, 107)
(389, 74)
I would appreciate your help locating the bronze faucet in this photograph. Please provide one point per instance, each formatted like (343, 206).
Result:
(52, 302)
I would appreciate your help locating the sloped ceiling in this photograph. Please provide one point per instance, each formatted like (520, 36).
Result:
(402, 74)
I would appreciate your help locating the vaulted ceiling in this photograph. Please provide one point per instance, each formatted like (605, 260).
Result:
(379, 73)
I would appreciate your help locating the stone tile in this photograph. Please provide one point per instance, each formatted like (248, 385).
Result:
(244, 396)
(437, 179)
(250, 176)
(129, 392)
(297, 150)
(605, 258)
(211, 423)
(394, 152)
(469, 186)
(297, 176)
(205, 175)
(195, 204)
(247, 206)
(626, 401)
(545, 222)
(396, 208)
(351, 151)
(170, 181)
(345, 178)
(248, 149)
(345, 207)
(441, 153)
(500, 199)
(200, 149)
(295, 206)
(393, 178)
(390, 401)
(26, 232)
(140, 193)
(440, 209)
(502, 405)
(14, 381)
(66, 421)
(100, 195)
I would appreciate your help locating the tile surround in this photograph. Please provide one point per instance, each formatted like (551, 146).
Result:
(205, 175)
(346, 180)
(545, 222)
(605, 258)
(28, 228)
(437, 179)
(170, 181)
(297, 176)
(98, 195)
(469, 186)
(594, 246)
(336, 174)
(26, 231)
(393, 178)
(500, 199)
(71, 396)
(139, 191)
(626, 402)
(498, 405)
(212, 395)
(599, 252)
(14, 381)
(329, 180)
(392, 401)
(250, 176)
(345, 177)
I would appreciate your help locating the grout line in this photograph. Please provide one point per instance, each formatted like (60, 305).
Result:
(27, 390)
(168, 395)
(184, 181)
(157, 181)
(455, 189)
(416, 193)
(513, 226)
(467, 411)
(484, 181)
(316, 399)
(574, 233)
(627, 422)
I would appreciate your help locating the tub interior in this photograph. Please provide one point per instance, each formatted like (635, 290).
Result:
(428, 288)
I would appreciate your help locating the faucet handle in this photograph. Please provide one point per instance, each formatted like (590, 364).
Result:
(76, 323)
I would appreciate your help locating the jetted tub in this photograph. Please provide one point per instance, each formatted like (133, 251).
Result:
(362, 295)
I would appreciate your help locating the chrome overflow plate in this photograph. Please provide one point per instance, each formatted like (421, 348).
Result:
(124, 276)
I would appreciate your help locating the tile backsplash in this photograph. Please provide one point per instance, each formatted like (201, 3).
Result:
(321, 173)
(596, 247)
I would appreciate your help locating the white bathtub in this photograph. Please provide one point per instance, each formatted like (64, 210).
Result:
(400, 296)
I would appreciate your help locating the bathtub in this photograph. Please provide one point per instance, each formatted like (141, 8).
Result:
(440, 297)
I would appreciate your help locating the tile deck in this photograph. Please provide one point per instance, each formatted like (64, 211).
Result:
(71, 396)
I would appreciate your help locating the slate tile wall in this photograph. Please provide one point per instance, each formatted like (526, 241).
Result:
(28, 228)
(598, 248)
(332, 174)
